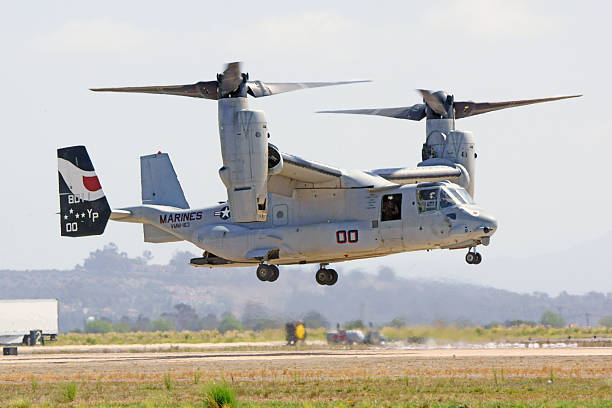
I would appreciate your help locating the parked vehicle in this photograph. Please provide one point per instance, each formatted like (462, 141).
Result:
(28, 321)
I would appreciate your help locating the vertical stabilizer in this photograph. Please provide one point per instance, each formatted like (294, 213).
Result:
(159, 182)
(83, 207)
(160, 186)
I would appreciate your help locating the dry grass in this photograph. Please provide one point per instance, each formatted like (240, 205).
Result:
(366, 381)
(301, 391)
(423, 333)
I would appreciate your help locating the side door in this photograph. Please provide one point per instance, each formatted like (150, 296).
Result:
(391, 224)
(430, 223)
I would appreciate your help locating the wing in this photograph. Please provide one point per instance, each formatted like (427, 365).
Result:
(420, 174)
(299, 173)
(308, 171)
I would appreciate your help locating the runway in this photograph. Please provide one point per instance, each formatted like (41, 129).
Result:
(331, 363)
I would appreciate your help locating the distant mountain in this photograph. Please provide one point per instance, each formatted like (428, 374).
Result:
(110, 284)
(554, 272)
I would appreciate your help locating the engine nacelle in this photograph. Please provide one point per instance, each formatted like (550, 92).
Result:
(456, 146)
(244, 148)
(275, 160)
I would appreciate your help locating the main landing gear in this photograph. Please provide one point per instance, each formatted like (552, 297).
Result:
(473, 258)
(326, 276)
(267, 273)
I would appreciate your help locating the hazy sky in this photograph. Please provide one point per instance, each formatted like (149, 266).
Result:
(542, 170)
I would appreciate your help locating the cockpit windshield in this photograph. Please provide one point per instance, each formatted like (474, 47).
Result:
(464, 196)
(439, 198)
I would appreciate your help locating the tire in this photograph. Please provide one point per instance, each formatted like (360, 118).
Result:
(470, 257)
(263, 273)
(333, 277)
(273, 269)
(478, 259)
(322, 276)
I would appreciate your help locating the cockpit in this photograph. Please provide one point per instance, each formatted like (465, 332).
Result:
(440, 196)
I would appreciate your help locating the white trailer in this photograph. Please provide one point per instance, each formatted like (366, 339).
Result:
(28, 321)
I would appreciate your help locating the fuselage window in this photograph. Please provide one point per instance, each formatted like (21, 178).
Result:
(427, 199)
(391, 207)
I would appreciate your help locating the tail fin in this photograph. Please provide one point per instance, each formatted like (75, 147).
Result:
(160, 186)
(83, 207)
(159, 182)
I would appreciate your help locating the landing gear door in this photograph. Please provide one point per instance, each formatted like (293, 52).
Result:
(391, 225)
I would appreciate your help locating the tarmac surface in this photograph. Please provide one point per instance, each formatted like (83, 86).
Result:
(331, 363)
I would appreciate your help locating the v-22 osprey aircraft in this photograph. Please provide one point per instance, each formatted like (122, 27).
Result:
(284, 210)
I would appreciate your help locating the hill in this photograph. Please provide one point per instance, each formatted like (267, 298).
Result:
(110, 284)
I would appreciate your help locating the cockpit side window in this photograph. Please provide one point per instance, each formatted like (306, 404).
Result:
(427, 199)
(391, 207)
(446, 200)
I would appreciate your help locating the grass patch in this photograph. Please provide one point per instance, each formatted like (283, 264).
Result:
(68, 392)
(419, 391)
(168, 382)
(219, 395)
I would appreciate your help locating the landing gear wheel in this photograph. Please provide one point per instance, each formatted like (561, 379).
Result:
(478, 258)
(263, 272)
(333, 277)
(322, 276)
(470, 257)
(273, 273)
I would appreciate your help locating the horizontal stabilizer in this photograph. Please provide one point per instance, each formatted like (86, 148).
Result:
(155, 235)
(160, 185)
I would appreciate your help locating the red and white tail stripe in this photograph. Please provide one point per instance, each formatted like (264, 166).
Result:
(83, 184)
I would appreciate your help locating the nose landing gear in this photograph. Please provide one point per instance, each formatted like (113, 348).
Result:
(473, 258)
(326, 276)
(267, 273)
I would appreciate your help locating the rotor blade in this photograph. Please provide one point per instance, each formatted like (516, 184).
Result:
(230, 79)
(259, 88)
(465, 109)
(414, 112)
(433, 102)
(207, 90)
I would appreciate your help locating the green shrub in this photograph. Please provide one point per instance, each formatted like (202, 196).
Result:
(168, 382)
(229, 323)
(219, 396)
(69, 391)
(552, 319)
(162, 325)
(98, 326)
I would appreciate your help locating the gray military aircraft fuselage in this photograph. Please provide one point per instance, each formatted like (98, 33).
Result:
(331, 225)
(284, 210)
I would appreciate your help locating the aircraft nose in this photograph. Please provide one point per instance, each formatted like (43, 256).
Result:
(487, 223)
